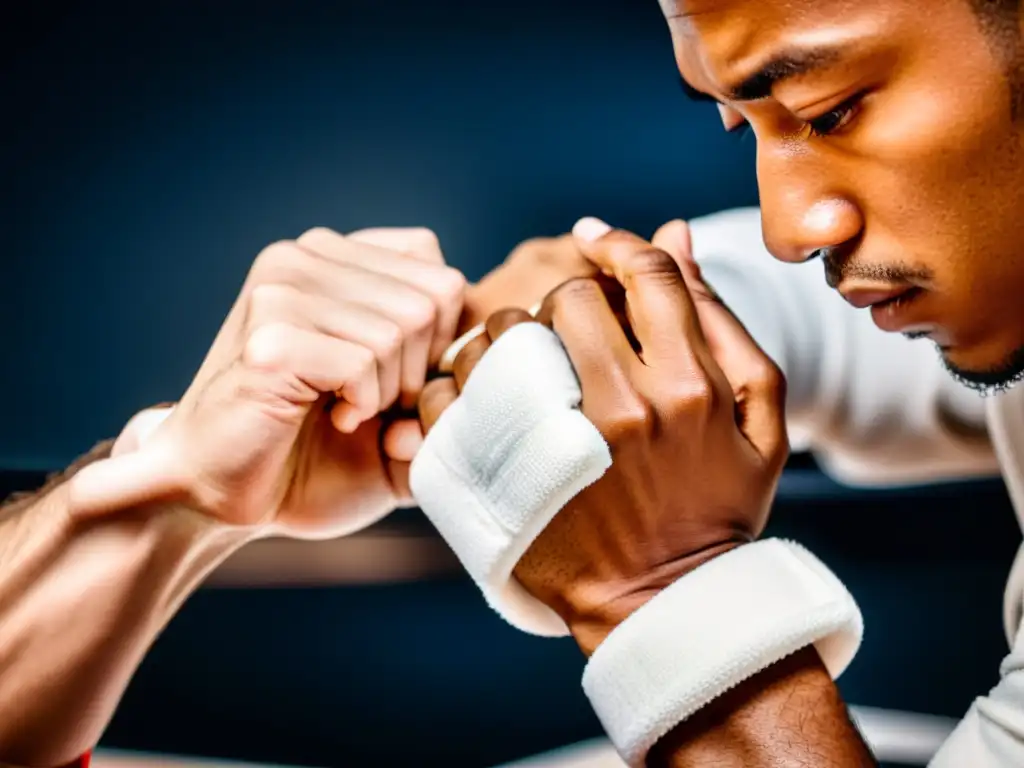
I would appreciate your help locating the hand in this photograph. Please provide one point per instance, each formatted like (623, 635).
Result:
(531, 271)
(282, 427)
(693, 413)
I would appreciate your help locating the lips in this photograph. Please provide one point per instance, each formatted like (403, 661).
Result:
(864, 297)
(889, 304)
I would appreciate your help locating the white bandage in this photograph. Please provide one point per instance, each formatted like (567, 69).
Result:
(719, 625)
(503, 459)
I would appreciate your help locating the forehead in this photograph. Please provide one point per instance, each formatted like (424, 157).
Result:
(714, 37)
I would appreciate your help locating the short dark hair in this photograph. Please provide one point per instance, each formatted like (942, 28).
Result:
(1000, 22)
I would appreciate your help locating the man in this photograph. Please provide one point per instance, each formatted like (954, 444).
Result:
(890, 150)
(854, 204)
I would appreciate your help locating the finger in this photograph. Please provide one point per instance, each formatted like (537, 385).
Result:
(661, 311)
(341, 319)
(413, 311)
(402, 440)
(437, 395)
(448, 358)
(297, 366)
(757, 385)
(412, 256)
(447, 361)
(398, 474)
(503, 319)
(419, 242)
(579, 313)
(467, 359)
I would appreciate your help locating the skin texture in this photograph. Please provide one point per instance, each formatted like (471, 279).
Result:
(918, 177)
(329, 334)
(693, 412)
(289, 428)
(531, 270)
(94, 564)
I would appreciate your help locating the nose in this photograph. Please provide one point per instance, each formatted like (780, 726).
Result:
(800, 214)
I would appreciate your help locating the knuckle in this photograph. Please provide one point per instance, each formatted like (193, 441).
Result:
(509, 316)
(267, 347)
(540, 250)
(692, 397)
(629, 418)
(276, 260)
(436, 390)
(388, 343)
(768, 380)
(418, 315)
(423, 239)
(451, 284)
(576, 289)
(317, 235)
(268, 297)
(565, 300)
(650, 261)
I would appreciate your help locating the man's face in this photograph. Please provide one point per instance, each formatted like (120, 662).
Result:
(887, 146)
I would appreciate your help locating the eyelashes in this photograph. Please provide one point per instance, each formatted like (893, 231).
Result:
(835, 119)
(824, 125)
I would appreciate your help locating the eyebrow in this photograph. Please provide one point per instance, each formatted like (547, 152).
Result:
(782, 66)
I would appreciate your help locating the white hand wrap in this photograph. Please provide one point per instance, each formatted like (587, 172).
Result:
(719, 625)
(503, 459)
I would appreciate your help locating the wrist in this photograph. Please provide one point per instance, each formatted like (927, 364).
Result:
(161, 541)
(591, 620)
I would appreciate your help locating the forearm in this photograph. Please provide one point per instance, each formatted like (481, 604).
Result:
(80, 603)
(789, 715)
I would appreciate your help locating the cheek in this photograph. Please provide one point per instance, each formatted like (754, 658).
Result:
(941, 173)
(935, 134)
(941, 182)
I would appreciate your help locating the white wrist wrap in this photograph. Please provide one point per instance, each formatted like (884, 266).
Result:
(719, 625)
(503, 459)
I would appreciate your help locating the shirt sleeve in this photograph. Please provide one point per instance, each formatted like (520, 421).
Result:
(992, 733)
(875, 408)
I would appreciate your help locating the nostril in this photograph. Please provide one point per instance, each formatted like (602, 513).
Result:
(817, 253)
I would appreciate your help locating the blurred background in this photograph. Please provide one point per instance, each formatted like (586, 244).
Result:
(150, 150)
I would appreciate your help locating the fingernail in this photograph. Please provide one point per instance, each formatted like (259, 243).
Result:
(590, 229)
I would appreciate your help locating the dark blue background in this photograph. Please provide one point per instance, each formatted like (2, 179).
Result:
(151, 149)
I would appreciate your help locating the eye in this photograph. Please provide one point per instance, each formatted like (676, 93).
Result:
(836, 118)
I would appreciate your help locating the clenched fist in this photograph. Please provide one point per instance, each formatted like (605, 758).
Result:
(284, 427)
(692, 410)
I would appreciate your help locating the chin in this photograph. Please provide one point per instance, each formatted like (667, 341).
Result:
(998, 374)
